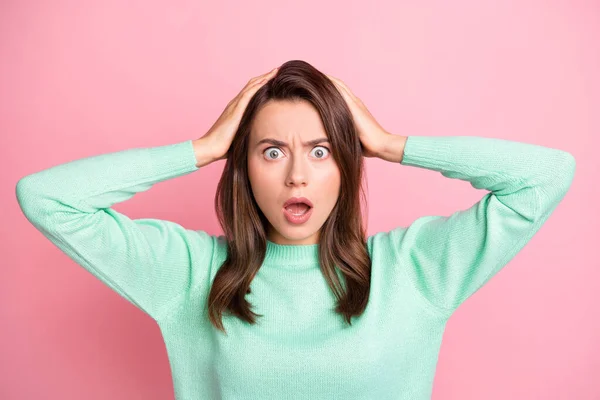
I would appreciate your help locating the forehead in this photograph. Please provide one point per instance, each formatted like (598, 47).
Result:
(280, 119)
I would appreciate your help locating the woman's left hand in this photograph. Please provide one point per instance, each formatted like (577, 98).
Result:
(372, 136)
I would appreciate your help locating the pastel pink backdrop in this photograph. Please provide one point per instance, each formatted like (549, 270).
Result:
(79, 79)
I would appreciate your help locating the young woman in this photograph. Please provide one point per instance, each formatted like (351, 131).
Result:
(340, 315)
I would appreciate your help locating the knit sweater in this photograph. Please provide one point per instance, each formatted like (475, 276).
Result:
(300, 348)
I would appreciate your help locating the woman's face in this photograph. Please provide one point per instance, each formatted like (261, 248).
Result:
(278, 172)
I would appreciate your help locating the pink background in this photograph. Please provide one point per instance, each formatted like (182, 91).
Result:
(82, 79)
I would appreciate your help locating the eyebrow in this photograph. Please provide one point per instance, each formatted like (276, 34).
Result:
(284, 144)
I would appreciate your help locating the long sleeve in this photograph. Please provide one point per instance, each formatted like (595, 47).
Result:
(449, 258)
(152, 263)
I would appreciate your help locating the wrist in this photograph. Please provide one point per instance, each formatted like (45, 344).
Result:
(203, 152)
(393, 150)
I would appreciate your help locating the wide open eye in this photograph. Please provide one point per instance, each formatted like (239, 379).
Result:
(320, 153)
(273, 152)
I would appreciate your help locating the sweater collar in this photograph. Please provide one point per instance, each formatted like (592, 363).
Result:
(292, 255)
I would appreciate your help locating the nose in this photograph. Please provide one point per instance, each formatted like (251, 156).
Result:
(297, 174)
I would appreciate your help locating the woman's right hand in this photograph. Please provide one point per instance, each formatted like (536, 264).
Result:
(221, 134)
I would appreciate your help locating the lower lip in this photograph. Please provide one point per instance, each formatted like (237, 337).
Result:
(297, 219)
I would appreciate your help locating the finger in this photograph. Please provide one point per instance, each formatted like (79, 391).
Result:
(337, 81)
(257, 81)
(346, 89)
(264, 78)
(334, 81)
(343, 88)
(260, 78)
(253, 88)
(340, 87)
(268, 74)
(343, 85)
(331, 77)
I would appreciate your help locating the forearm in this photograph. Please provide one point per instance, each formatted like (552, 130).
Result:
(98, 182)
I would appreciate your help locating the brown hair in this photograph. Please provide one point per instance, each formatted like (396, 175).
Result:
(342, 242)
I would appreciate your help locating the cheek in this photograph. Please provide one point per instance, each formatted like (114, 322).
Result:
(261, 183)
(255, 172)
(329, 180)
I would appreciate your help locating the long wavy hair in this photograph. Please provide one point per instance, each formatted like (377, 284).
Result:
(342, 242)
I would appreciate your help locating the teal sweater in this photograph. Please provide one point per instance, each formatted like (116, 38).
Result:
(301, 349)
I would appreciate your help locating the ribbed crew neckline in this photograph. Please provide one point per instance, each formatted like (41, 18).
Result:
(302, 256)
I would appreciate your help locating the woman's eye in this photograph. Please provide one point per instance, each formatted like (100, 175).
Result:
(319, 153)
(272, 152)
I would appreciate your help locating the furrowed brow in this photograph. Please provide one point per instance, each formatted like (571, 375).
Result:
(279, 143)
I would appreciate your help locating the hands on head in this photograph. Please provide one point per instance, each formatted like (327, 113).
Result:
(220, 136)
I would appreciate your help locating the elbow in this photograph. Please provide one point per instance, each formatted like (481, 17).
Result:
(560, 181)
(27, 196)
(567, 170)
(23, 192)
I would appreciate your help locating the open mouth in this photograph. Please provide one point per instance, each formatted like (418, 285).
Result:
(297, 213)
(298, 209)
